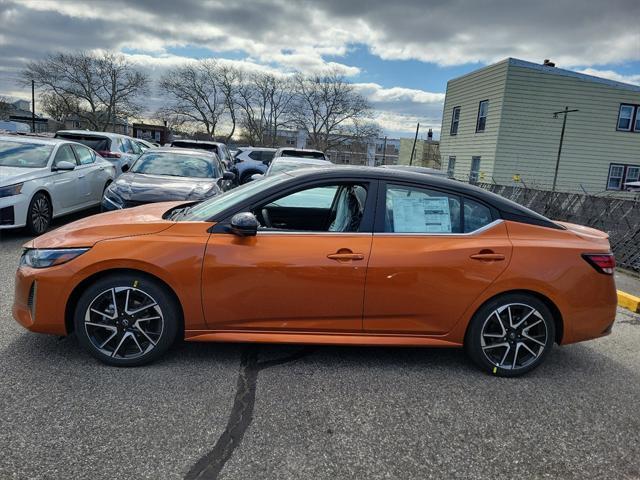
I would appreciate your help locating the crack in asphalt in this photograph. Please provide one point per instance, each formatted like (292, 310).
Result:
(210, 465)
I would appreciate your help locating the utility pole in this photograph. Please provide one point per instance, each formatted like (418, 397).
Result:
(564, 124)
(384, 151)
(33, 106)
(415, 139)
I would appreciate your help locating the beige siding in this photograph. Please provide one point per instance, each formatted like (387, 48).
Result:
(529, 135)
(467, 92)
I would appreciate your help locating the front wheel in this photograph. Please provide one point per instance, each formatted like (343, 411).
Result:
(510, 335)
(126, 320)
(39, 214)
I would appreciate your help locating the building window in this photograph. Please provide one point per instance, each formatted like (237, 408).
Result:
(625, 118)
(620, 175)
(616, 172)
(483, 109)
(455, 120)
(451, 167)
(475, 170)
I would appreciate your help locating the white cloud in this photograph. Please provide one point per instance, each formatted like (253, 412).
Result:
(611, 75)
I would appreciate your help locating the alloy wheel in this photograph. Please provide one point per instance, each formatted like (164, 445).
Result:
(40, 214)
(514, 336)
(124, 322)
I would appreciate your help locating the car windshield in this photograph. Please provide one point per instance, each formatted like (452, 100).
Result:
(98, 143)
(176, 165)
(20, 154)
(212, 207)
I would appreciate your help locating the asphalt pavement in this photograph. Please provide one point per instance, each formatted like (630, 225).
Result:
(240, 411)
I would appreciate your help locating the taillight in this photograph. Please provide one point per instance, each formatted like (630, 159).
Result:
(602, 262)
(108, 154)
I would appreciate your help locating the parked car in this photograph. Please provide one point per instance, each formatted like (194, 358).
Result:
(286, 164)
(416, 169)
(42, 178)
(299, 153)
(118, 149)
(168, 174)
(144, 144)
(396, 258)
(632, 186)
(250, 161)
(218, 148)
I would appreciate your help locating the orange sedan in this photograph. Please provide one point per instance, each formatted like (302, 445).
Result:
(355, 256)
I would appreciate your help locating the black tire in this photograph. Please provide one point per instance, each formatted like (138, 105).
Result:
(39, 214)
(497, 348)
(151, 339)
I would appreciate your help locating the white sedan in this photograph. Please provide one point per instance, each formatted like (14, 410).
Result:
(42, 178)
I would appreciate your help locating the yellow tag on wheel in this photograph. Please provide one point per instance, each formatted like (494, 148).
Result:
(135, 284)
(495, 369)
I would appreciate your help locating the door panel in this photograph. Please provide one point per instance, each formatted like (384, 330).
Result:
(285, 281)
(422, 284)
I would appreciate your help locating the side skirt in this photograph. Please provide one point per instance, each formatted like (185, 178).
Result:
(315, 338)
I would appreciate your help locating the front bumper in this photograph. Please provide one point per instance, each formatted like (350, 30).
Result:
(37, 301)
(13, 211)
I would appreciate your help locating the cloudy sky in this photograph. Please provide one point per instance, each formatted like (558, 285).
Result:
(399, 53)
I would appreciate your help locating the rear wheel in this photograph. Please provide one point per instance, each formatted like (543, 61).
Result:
(510, 335)
(126, 320)
(39, 214)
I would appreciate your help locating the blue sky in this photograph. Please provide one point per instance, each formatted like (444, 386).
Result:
(397, 54)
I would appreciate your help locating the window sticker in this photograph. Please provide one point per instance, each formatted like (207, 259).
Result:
(421, 215)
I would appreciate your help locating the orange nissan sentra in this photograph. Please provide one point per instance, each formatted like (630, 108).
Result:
(350, 256)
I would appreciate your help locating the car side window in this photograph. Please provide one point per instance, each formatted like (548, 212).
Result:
(421, 210)
(256, 155)
(327, 208)
(476, 215)
(125, 146)
(85, 155)
(135, 147)
(65, 154)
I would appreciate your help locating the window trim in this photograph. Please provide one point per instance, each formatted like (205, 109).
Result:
(366, 224)
(454, 121)
(632, 119)
(623, 178)
(485, 116)
(381, 206)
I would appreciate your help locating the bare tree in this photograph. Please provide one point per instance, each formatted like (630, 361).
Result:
(5, 108)
(58, 107)
(197, 94)
(330, 110)
(264, 102)
(96, 88)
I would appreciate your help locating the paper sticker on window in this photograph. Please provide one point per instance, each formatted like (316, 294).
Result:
(421, 215)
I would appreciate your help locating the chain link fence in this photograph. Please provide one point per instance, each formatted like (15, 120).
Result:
(620, 218)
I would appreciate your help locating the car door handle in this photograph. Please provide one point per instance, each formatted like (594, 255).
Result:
(345, 256)
(487, 257)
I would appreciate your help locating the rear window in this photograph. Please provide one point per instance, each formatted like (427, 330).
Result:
(198, 146)
(299, 154)
(98, 143)
(28, 155)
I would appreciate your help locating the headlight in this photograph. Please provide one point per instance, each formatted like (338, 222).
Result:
(11, 190)
(44, 257)
(112, 197)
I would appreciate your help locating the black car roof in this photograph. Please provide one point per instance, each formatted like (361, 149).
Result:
(509, 210)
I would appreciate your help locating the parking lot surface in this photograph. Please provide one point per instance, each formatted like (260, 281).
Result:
(240, 411)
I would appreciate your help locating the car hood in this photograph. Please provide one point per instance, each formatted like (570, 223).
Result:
(13, 175)
(140, 187)
(143, 220)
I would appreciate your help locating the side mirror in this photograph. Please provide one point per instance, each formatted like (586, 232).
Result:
(244, 224)
(257, 176)
(266, 162)
(125, 168)
(64, 166)
(228, 176)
